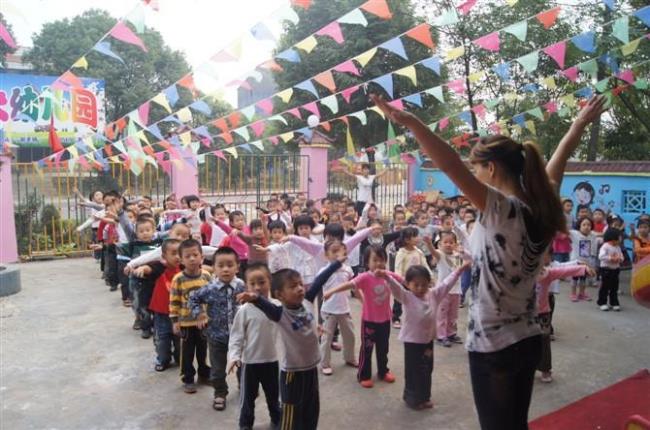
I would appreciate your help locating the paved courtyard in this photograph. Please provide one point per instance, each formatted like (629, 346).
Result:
(70, 360)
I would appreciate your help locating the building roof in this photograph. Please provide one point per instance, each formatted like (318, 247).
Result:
(609, 166)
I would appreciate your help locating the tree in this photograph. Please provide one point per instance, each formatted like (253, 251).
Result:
(4, 48)
(61, 43)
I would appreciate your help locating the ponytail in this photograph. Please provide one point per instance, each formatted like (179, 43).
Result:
(542, 196)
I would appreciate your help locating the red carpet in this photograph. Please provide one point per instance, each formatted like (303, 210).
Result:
(607, 409)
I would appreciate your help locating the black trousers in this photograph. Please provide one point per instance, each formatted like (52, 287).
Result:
(418, 370)
(193, 342)
(551, 303)
(218, 362)
(300, 399)
(359, 205)
(373, 334)
(608, 286)
(545, 357)
(123, 280)
(502, 383)
(397, 310)
(266, 374)
(110, 265)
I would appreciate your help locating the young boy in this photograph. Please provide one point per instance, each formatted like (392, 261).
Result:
(299, 333)
(220, 298)
(252, 348)
(184, 323)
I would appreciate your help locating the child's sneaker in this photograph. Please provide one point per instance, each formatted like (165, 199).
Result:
(584, 297)
(547, 377)
(352, 364)
(189, 388)
(367, 383)
(616, 308)
(388, 377)
(604, 308)
(327, 371)
(219, 404)
(444, 342)
(455, 339)
(136, 325)
(146, 334)
(397, 324)
(573, 297)
(336, 346)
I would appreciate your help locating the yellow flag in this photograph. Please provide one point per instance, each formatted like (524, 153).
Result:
(455, 53)
(549, 82)
(232, 151)
(143, 137)
(379, 111)
(73, 151)
(350, 143)
(630, 48)
(81, 63)
(258, 144)
(409, 72)
(530, 125)
(512, 2)
(286, 136)
(308, 44)
(184, 115)
(569, 100)
(475, 77)
(161, 99)
(285, 95)
(186, 138)
(364, 58)
(510, 96)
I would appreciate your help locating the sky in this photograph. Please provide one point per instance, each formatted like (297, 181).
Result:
(199, 28)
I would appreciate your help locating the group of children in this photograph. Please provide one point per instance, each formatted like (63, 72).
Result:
(204, 283)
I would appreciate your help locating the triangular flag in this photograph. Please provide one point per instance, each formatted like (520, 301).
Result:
(585, 93)
(432, 63)
(184, 115)
(136, 18)
(285, 95)
(443, 123)
(621, 29)
(422, 34)
(171, 93)
(518, 29)
(246, 147)
(258, 144)
(519, 119)
(53, 138)
(348, 67)
(219, 154)
(261, 32)
(549, 83)
(290, 55)
(585, 42)
(265, 106)
(569, 100)
(489, 42)
(386, 82)
(627, 76)
(630, 48)
(548, 18)
(395, 46)
(333, 30)
(242, 132)
(448, 17)
(409, 72)
(475, 77)
(529, 61)
(232, 151)
(186, 138)
(349, 142)
(536, 112)
(278, 118)
(480, 111)
(610, 4)
(415, 99)
(465, 7)
(122, 32)
(455, 53)
(201, 106)
(551, 107)
(530, 125)
(347, 93)
(307, 44)
(390, 132)
(313, 108)
(6, 36)
(187, 81)
(590, 67)
(466, 116)
(105, 48)
(492, 103)
(354, 17)
(502, 70)
(221, 124)
(327, 80)
(295, 112)
(307, 85)
(457, 86)
(161, 99)
(361, 116)
(365, 57)
(234, 119)
(143, 113)
(331, 102)
(437, 93)
(531, 88)
(557, 52)
(70, 79)
(378, 8)
(81, 63)
(571, 73)
(644, 15)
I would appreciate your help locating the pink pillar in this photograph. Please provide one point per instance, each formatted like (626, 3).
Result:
(313, 170)
(185, 175)
(412, 173)
(8, 243)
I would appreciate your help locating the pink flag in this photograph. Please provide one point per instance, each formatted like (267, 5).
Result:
(266, 106)
(457, 86)
(206, 142)
(407, 158)
(143, 112)
(313, 108)
(219, 154)
(551, 107)
(557, 53)
(571, 73)
(443, 123)
(489, 42)
(479, 111)
(348, 67)
(397, 104)
(274, 140)
(165, 165)
(4, 35)
(71, 79)
(122, 32)
(295, 112)
(258, 127)
(627, 76)
(333, 30)
(495, 128)
(347, 93)
(466, 7)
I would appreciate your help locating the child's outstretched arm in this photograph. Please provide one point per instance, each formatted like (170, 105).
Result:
(395, 286)
(343, 287)
(272, 312)
(557, 164)
(311, 247)
(358, 237)
(440, 152)
(321, 279)
(443, 287)
(146, 258)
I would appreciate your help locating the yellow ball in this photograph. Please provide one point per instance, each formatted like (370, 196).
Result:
(641, 282)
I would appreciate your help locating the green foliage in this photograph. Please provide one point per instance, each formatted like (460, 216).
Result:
(4, 48)
(25, 215)
(50, 215)
(60, 43)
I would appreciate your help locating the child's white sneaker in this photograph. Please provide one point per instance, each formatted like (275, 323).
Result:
(604, 308)
(327, 371)
(616, 308)
(547, 377)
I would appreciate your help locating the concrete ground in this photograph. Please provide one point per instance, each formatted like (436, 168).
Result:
(70, 360)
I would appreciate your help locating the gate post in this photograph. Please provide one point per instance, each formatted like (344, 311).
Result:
(412, 172)
(313, 170)
(8, 242)
(185, 175)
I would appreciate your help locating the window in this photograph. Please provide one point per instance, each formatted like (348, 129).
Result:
(634, 201)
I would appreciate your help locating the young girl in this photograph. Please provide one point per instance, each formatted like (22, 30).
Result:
(584, 248)
(520, 213)
(610, 257)
(420, 304)
(409, 255)
(375, 315)
(641, 239)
